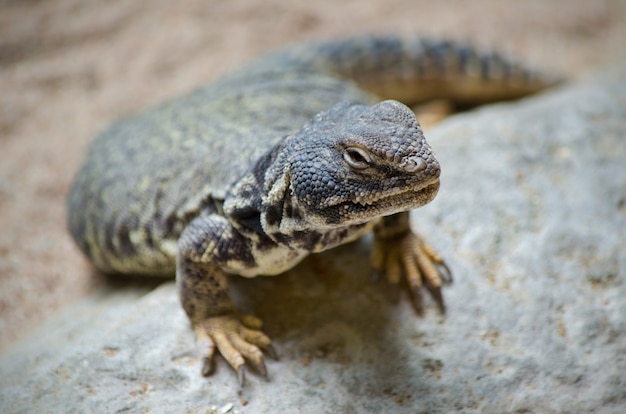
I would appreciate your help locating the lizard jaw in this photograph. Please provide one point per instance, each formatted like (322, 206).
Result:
(422, 196)
(363, 211)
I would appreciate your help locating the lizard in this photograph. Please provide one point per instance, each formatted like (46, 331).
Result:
(301, 150)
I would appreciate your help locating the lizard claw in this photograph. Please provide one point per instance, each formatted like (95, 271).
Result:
(269, 349)
(238, 339)
(208, 366)
(241, 375)
(241, 372)
(416, 301)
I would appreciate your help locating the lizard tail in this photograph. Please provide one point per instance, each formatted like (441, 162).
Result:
(418, 70)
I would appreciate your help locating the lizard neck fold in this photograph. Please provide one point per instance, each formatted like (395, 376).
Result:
(256, 204)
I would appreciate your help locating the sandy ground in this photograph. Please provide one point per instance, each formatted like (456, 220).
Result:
(70, 67)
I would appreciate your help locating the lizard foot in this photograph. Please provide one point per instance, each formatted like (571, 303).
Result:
(238, 338)
(418, 261)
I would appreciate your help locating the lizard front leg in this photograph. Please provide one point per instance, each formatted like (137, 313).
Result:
(397, 251)
(204, 249)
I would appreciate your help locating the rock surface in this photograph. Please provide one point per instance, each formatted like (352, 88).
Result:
(532, 218)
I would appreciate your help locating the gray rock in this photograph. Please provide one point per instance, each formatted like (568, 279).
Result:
(532, 217)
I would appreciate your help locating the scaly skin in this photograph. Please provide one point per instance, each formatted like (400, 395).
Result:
(289, 156)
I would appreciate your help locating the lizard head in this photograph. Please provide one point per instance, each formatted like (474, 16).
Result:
(355, 163)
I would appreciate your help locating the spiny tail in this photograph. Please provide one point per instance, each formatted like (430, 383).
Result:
(417, 70)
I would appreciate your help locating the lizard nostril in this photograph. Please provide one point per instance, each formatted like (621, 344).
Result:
(413, 164)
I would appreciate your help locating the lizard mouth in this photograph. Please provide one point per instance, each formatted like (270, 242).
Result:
(352, 212)
(365, 210)
(409, 198)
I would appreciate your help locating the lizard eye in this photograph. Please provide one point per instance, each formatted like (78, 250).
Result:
(357, 158)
